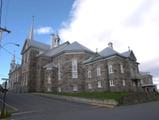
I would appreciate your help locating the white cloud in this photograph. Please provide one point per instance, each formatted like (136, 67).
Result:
(44, 30)
(126, 23)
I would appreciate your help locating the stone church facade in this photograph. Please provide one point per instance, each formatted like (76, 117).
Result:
(72, 67)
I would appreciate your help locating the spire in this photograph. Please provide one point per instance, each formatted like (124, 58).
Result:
(13, 60)
(129, 48)
(31, 33)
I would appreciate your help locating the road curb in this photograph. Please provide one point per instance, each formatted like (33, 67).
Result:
(109, 103)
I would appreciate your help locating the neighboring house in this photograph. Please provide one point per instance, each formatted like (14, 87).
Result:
(71, 67)
(147, 82)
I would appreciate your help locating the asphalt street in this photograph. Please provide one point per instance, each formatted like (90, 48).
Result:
(32, 107)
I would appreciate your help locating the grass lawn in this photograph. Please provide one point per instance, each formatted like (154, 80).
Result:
(123, 98)
(96, 95)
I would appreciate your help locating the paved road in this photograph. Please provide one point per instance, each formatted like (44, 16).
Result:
(31, 107)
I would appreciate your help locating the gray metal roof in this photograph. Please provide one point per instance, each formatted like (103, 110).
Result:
(129, 54)
(108, 52)
(39, 45)
(126, 54)
(56, 50)
(94, 57)
(50, 65)
(75, 46)
(67, 47)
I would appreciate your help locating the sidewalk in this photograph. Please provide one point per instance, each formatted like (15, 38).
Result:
(109, 103)
(9, 108)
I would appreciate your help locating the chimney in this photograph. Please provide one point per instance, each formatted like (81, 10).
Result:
(110, 45)
(55, 40)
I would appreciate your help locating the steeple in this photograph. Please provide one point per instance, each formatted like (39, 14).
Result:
(13, 62)
(31, 33)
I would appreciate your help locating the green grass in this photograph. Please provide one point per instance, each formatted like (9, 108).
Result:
(96, 95)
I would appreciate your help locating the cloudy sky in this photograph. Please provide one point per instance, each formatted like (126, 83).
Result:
(93, 23)
(133, 23)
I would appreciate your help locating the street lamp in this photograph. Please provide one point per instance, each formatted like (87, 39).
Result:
(4, 96)
(8, 43)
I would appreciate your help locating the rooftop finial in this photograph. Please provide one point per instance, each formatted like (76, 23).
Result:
(129, 48)
(110, 44)
(31, 34)
(96, 50)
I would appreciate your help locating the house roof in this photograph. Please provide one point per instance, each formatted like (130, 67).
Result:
(129, 54)
(75, 46)
(108, 52)
(67, 47)
(38, 44)
(56, 50)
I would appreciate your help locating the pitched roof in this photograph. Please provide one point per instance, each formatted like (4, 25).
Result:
(108, 52)
(67, 47)
(94, 57)
(129, 54)
(75, 47)
(56, 50)
(38, 44)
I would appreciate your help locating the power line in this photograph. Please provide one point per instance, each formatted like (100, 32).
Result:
(12, 54)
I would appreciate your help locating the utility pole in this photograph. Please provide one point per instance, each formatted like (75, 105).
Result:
(3, 111)
(1, 28)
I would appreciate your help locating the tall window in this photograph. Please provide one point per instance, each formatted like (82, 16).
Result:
(98, 71)
(49, 79)
(111, 82)
(75, 88)
(89, 74)
(123, 82)
(142, 82)
(59, 72)
(74, 68)
(89, 86)
(99, 84)
(121, 68)
(59, 89)
(110, 68)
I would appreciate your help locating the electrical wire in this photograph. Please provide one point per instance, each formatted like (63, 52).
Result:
(10, 52)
